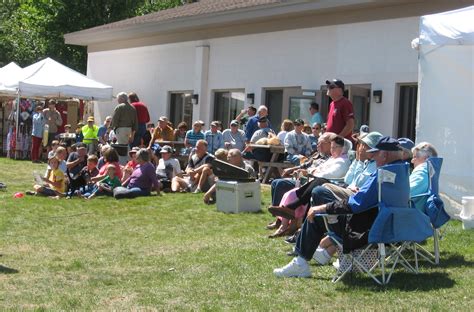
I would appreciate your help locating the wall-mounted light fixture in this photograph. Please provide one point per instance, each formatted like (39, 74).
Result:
(195, 99)
(250, 98)
(377, 96)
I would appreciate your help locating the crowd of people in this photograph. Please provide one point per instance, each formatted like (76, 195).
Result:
(332, 170)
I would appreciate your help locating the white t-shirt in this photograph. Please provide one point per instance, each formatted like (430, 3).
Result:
(168, 168)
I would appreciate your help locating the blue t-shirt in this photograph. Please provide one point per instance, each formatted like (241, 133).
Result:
(193, 137)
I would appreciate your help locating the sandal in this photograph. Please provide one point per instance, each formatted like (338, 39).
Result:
(280, 232)
(274, 225)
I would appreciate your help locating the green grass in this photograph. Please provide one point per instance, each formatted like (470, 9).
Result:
(174, 253)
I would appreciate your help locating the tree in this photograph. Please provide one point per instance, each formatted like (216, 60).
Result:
(31, 30)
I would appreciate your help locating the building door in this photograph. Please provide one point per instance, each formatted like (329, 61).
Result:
(181, 108)
(274, 103)
(227, 105)
(359, 96)
(407, 111)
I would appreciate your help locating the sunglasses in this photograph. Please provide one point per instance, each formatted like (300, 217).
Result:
(316, 128)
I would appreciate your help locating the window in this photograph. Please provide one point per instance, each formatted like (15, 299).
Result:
(299, 108)
(227, 105)
(181, 108)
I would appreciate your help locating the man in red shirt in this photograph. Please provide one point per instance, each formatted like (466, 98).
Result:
(341, 114)
(142, 115)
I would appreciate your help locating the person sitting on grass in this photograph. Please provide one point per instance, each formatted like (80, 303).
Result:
(110, 157)
(168, 168)
(142, 181)
(54, 147)
(55, 183)
(130, 166)
(88, 172)
(197, 170)
(105, 186)
(234, 157)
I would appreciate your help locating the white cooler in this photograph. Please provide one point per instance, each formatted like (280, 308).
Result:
(234, 197)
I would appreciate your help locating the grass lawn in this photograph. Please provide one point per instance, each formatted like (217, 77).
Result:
(175, 253)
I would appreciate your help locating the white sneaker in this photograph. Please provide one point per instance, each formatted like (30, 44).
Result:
(293, 269)
(321, 256)
(197, 191)
(336, 264)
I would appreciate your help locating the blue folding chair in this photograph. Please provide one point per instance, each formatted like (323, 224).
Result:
(434, 209)
(398, 224)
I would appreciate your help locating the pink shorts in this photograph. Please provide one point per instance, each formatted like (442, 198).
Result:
(289, 197)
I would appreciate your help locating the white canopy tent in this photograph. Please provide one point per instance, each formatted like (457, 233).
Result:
(9, 74)
(446, 97)
(50, 79)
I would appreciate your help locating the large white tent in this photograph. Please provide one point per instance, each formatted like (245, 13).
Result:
(50, 79)
(8, 75)
(446, 97)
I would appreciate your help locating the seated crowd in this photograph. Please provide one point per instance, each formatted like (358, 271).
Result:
(327, 173)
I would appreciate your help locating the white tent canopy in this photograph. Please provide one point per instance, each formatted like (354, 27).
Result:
(448, 28)
(446, 97)
(9, 74)
(50, 79)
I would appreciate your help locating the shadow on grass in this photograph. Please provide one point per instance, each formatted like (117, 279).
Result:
(402, 281)
(450, 260)
(6, 270)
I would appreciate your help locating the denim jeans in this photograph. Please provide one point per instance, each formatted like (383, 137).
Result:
(294, 159)
(279, 188)
(124, 192)
(312, 233)
(139, 135)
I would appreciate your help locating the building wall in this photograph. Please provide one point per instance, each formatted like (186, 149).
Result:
(151, 72)
(376, 53)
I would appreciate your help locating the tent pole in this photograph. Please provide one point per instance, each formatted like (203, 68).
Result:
(17, 123)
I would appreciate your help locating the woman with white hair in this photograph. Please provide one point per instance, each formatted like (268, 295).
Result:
(142, 181)
(419, 178)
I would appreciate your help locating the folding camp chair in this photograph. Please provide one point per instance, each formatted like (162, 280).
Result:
(395, 226)
(434, 209)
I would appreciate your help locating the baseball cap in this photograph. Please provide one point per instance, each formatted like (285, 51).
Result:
(166, 149)
(406, 143)
(234, 123)
(90, 118)
(335, 82)
(134, 150)
(386, 143)
(371, 138)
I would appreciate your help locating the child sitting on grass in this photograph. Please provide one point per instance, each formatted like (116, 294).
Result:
(83, 183)
(55, 183)
(106, 186)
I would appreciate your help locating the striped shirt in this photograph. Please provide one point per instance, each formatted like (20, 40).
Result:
(193, 137)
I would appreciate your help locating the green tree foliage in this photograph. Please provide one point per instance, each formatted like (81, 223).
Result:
(31, 30)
